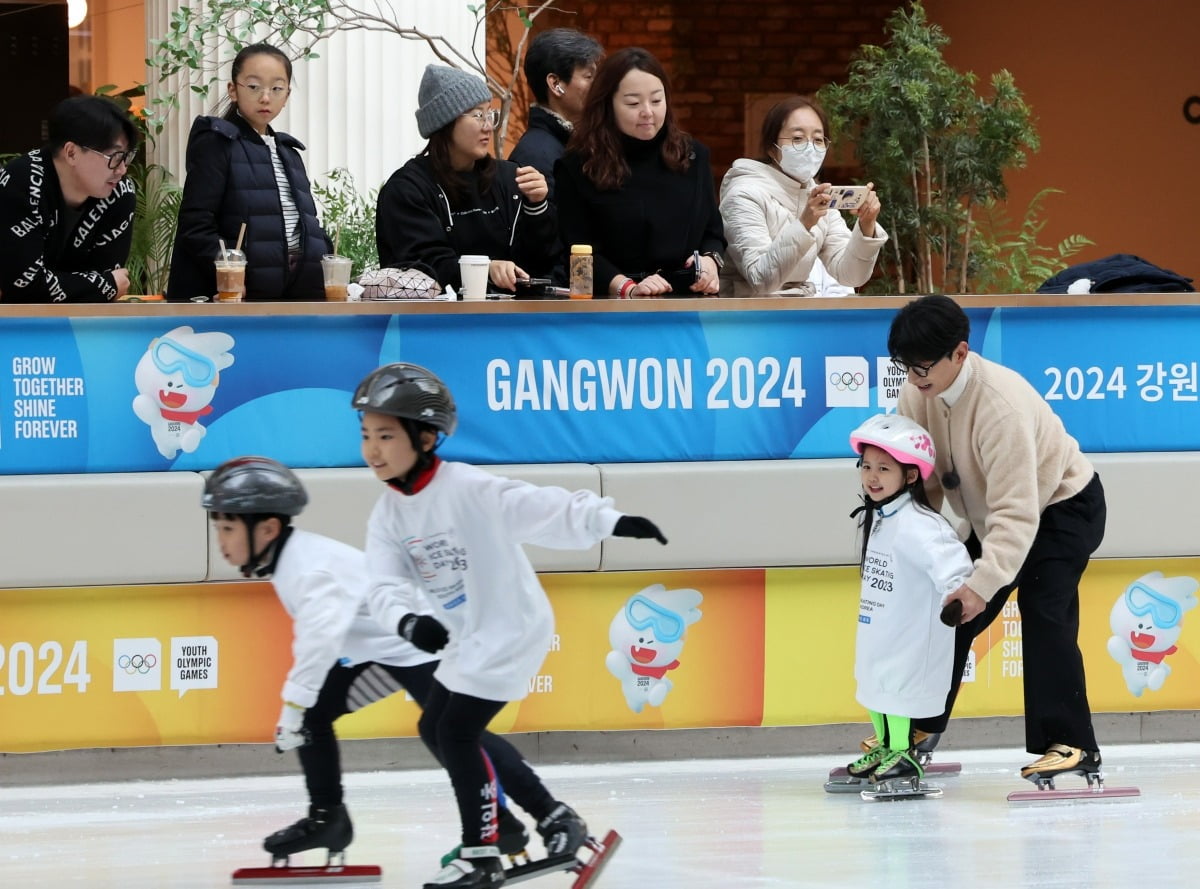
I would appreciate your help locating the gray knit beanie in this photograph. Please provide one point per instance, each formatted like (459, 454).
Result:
(446, 93)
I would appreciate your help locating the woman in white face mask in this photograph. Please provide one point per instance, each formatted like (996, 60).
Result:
(780, 229)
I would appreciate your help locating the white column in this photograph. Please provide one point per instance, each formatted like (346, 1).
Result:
(353, 107)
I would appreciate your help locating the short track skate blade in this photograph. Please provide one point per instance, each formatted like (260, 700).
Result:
(601, 853)
(1094, 794)
(519, 872)
(845, 784)
(942, 769)
(292, 876)
(887, 791)
(587, 871)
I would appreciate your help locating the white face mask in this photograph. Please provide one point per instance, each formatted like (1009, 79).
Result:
(801, 163)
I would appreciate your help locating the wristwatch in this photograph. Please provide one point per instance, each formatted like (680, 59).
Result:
(716, 257)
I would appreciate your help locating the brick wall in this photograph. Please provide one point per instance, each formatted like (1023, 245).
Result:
(721, 55)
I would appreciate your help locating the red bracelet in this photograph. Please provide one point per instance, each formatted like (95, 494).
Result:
(624, 290)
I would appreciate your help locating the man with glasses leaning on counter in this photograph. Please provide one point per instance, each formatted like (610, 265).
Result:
(66, 209)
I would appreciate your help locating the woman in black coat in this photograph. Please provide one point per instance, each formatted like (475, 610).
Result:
(239, 170)
(638, 189)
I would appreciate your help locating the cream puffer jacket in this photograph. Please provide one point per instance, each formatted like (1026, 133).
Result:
(770, 250)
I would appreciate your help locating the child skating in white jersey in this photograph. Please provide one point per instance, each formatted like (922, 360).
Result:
(911, 560)
(342, 659)
(449, 534)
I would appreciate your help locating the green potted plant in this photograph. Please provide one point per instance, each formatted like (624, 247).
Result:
(938, 152)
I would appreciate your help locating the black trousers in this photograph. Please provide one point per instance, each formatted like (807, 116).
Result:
(453, 727)
(347, 689)
(1056, 704)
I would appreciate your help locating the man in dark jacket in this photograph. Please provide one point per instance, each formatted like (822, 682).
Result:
(559, 68)
(66, 210)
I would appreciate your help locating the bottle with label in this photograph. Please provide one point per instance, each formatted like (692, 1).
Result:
(581, 271)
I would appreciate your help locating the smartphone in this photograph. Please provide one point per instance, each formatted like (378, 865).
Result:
(682, 279)
(847, 197)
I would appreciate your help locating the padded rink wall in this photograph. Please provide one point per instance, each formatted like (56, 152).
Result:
(103, 531)
(140, 528)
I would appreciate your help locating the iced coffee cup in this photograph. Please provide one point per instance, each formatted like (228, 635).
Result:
(337, 276)
(231, 276)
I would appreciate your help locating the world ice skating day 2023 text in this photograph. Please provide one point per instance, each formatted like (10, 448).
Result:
(37, 399)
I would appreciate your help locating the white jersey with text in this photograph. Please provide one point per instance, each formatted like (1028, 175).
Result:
(322, 585)
(458, 542)
(904, 653)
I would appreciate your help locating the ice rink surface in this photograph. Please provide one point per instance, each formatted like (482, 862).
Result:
(687, 824)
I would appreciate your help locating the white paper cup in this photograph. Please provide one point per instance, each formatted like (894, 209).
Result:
(474, 271)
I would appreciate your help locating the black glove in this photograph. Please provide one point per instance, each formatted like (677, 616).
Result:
(952, 614)
(636, 526)
(423, 631)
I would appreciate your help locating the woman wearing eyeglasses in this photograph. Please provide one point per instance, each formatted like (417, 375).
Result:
(777, 215)
(456, 199)
(240, 170)
(66, 210)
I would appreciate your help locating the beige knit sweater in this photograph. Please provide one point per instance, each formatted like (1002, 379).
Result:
(1013, 458)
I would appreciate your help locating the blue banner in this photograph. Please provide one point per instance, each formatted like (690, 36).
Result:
(97, 394)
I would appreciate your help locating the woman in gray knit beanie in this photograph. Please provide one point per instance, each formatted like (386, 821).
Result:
(446, 93)
(456, 199)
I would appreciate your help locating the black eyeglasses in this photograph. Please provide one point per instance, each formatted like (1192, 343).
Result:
(116, 158)
(920, 370)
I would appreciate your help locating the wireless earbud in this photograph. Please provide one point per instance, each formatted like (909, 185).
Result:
(558, 89)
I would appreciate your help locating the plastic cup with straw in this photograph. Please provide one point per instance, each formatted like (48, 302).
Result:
(337, 271)
(231, 271)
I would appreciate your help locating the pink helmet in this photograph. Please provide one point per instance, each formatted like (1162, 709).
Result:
(900, 437)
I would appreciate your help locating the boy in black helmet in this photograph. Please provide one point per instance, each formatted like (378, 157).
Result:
(342, 659)
(450, 534)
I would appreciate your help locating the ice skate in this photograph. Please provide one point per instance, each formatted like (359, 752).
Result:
(924, 742)
(563, 831)
(586, 862)
(476, 867)
(513, 839)
(324, 828)
(1061, 759)
(898, 776)
(854, 777)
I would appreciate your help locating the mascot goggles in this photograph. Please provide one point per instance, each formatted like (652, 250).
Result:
(169, 357)
(642, 613)
(1141, 600)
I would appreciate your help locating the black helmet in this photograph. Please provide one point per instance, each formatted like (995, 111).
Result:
(410, 392)
(254, 486)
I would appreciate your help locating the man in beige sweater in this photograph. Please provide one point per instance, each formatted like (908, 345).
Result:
(1034, 511)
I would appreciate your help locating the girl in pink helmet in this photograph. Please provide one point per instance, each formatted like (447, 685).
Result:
(911, 559)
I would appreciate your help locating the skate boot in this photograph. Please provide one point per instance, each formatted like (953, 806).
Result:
(476, 867)
(324, 828)
(513, 838)
(1059, 759)
(866, 764)
(898, 765)
(898, 776)
(563, 831)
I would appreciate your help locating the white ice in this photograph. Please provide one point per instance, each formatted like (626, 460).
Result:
(695, 823)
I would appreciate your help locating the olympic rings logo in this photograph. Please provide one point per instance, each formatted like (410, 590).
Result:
(138, 663)
(846, 381)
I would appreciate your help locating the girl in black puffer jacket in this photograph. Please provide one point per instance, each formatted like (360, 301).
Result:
(239, 170)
